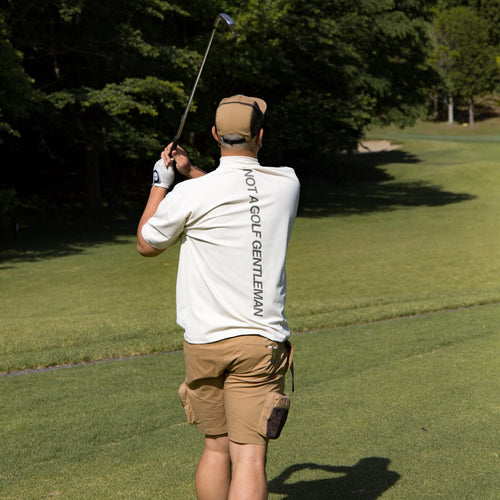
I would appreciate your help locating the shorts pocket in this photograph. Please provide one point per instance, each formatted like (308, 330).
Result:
(274, 415)
(188, 409)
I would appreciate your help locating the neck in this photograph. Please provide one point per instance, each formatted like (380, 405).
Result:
(242, 152)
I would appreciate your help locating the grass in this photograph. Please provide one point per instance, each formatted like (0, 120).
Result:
(416, 232)
(394, 295)
(406, 408)
(95, 304)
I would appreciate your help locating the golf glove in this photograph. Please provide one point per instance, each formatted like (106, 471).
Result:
(163, 176)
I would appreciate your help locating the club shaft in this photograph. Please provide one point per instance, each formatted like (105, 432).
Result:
(184, 116)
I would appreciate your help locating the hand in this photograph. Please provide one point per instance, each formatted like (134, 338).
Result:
(163, 176)
(182, 161)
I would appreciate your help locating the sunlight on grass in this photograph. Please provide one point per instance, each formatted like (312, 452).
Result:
(399, 407)
(405, 408)
(417, 236)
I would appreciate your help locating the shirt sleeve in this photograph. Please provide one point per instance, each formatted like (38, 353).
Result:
(167, 224)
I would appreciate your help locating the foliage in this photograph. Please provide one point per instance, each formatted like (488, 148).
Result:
(488, 10)
(104, 75)
(15, 89)
(113, 77)
(330, 68)
(8, 201)
(463, 55)
(119, 106)
(108, 56)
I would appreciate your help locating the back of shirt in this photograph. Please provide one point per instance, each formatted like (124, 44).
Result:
(235, 225)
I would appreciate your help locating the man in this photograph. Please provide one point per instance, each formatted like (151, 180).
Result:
(234, 225)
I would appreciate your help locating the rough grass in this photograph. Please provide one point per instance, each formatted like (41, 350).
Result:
(408, 231)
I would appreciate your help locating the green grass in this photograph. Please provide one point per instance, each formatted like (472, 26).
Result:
(405, 407)
(417, 231)
(426, 238)
(103, 302)
(394, 298)
(443, 131)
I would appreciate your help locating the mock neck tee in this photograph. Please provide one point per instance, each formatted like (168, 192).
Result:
(234, 225)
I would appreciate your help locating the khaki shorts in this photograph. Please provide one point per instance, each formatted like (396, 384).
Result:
(230, 383)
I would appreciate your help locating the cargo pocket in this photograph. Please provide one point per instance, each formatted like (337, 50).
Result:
(274, 415)
(188, 409)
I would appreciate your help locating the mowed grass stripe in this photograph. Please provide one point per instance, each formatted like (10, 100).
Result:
(418, 233)
(406, 408)
(123, 358)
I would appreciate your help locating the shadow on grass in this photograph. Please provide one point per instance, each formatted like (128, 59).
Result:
(53, 233)
(358, 183)
(367, 480)
(349, 184)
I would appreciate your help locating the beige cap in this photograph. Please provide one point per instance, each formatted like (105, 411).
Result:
(240, 115)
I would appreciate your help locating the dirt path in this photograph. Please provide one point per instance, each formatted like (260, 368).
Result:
(377, 146)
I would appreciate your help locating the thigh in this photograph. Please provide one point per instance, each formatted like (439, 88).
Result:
(258, 370)
(204, 388)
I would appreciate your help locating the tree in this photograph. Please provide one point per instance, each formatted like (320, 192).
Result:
(113, 77)
(16, 86)
(331, 67)
(463, 54)
(489, 10)
(100, 68)
(441, 59)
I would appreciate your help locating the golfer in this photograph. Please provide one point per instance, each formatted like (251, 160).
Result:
(234, 225)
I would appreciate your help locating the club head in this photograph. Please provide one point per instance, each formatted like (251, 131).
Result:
(227, 19)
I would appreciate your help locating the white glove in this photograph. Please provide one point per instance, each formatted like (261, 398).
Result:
(163, 176)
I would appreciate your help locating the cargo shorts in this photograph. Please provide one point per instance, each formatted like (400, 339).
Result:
(236, 387)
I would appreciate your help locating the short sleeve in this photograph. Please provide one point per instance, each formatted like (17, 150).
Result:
(167, 224)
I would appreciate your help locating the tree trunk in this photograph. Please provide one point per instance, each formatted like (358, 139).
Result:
(450, 110)
(93, 197)
(471, 112)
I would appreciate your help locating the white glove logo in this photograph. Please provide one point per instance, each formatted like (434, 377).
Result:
(163, 176)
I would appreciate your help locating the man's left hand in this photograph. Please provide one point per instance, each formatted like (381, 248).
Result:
(163, 176)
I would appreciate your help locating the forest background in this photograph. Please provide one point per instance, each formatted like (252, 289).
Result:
(91, 92)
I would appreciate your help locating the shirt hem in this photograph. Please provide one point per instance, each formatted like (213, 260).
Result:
(211, 338)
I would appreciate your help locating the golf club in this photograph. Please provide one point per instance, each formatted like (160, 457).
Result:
(230, 22)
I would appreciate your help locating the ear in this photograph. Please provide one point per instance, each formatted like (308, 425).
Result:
(259, 136)
(214, 135)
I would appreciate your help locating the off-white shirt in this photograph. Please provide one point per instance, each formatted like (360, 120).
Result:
(234, 225)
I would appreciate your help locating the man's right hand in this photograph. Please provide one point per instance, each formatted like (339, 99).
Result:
(182, 162)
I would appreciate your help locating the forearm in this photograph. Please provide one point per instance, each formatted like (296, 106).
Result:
(195, 172)
(163, 178)
(182, 162)
(155, 197)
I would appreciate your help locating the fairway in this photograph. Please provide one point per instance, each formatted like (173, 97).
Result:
(406, 408)
(417, 232)
(394, 301)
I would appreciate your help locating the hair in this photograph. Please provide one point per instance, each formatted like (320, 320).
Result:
(257, 120)
(227, 142)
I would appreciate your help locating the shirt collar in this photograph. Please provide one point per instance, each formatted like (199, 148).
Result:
(238, 162)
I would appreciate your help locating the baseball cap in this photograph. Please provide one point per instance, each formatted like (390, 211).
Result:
(240, 115)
